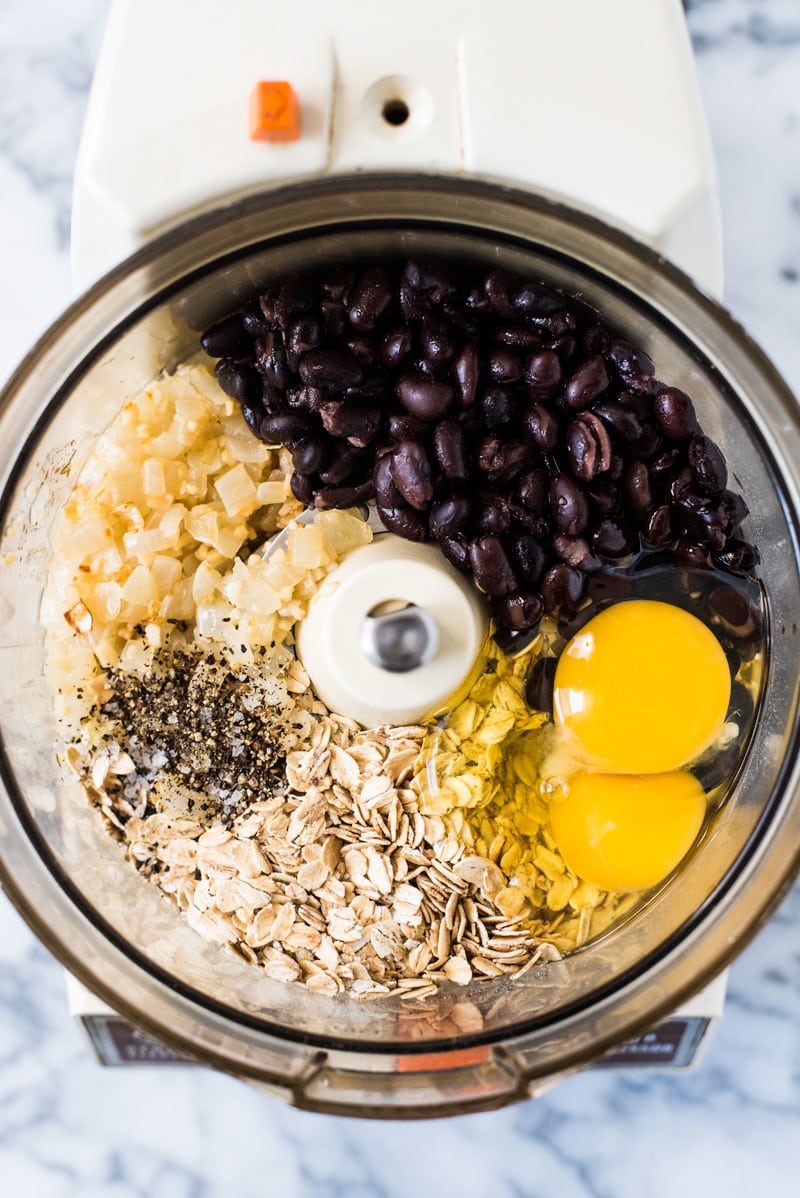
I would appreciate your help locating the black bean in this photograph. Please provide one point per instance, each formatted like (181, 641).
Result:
(308, 455)
(539, 684)
(346, 496)
(295, 297)
(633, 365)
(588, 447)
(491, 514)
(576, 551)
(396, 347)
(336, 283)
(666, 462)
(594, 338)
(659, 526)
(348, 463)
(509, 463)
(370, 299)
(529, 559)
(491, 567)
(489, 454)
(311, 398)
(603, 497)
(498, 288)
(675, 414)
(586, 383)
(648, 443)
(569, 506)
(424, 397)
(358, 423)
(537, 299)
(330, 367)
(286, 426)
(688, 553)
(540, 426)
(271, 360)
(405, 521)
(240, 382)
(403, 424)
(543, 374)
(498, 409)
(733, 610)
(253, 320)
(365, 351)
(450, 517)
(504, 366)
(456, 550)
(707, 464)
(435, 279)
(438, 341)
(334, 316)
(302, 487)
(738, 557)
(517, 336)
(304, 334)
(537, 526)
(414, 305)
(622, 421)
(532, 492)
(450, 447)
(562, 590)
(227, 339)
(253, 414)
(636, 488)
(386, 492)
(612, 538)
(412, 475)
(517, 611)
(466, 371)
(734, 509)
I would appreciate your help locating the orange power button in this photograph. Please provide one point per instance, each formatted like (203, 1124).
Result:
(274, 112)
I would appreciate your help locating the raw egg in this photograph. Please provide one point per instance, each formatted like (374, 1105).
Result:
(643, 688)
(627, 831)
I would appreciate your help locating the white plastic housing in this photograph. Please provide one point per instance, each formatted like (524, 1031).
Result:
(591, 102)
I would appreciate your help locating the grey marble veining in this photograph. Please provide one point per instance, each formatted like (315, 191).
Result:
(71, 1130)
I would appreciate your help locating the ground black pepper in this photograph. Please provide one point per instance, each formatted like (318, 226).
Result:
(197, 720)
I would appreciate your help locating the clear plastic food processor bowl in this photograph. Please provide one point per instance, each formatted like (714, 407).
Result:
(115, 931)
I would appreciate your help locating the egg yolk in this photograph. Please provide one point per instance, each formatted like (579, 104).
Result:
(627, 831)
(643, 688)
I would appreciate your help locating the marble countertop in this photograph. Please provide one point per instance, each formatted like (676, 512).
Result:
(69, 1129)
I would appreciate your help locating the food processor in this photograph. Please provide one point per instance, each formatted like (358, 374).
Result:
(560, 142)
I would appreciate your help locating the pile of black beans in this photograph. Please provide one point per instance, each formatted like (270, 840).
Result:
(499, 417)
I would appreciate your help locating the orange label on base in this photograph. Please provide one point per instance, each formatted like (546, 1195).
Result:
(459, 1059)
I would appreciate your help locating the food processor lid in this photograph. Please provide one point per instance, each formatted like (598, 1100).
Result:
(188, 278)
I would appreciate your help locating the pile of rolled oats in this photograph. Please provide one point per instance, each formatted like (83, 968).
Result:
(370, 861)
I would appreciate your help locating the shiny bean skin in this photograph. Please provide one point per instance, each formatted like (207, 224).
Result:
(438, 341)
(456, 550)
(405, 522)
(490, 566)
(334, 368)
(308, 455)
(347, 462)
(540, 426)
(707, 465)
(345, 496)
(585, 384)
(450, 517)
(240, 382)
(424, 397)
(532, 491)
(370, 299)
(569, 506)
(562, 590)
(675, 414)
(466, 371)
(228, 339)
(529, 559)
(543, 374)
(411, 474)
(520, 611)
(451, 449)
(396, 348)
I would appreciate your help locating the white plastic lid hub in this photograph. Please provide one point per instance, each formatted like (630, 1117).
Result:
(392, 633)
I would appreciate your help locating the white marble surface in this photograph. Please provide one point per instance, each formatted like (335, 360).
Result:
(71, 1130)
